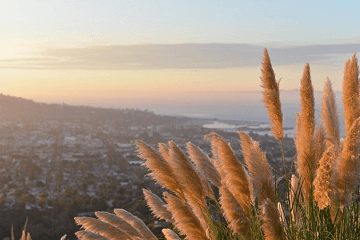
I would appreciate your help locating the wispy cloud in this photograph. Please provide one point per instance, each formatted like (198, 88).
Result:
(174, 56)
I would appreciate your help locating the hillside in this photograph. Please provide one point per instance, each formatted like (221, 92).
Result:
(16, 109)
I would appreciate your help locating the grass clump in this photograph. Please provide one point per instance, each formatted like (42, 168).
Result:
(217, 197)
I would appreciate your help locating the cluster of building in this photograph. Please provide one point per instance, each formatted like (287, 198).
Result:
(51, 159)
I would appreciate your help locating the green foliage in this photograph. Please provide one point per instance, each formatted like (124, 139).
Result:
(328, 223)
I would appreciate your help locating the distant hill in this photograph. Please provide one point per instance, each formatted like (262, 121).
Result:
(19, 110)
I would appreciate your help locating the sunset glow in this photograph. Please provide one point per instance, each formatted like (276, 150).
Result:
(103, 53)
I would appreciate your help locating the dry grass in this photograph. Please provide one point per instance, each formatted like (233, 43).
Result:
(320, 201)
(170, 235)
(259, 168)
(272, 227)
(306, 163)
(346, 170)
(322, 182)
(330, 116)
(101, 228)
(234, 175)
(119, 223)
(234, 214)
(157, 206)
(351, 93)
(271, 97)
(136, 223)
(89, 235)
(204, 164)
(161, 169)
(185, 220)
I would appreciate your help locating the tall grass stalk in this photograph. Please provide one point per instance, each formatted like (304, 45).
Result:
(218, 197)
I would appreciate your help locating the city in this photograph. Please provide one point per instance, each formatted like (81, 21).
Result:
(70, 167)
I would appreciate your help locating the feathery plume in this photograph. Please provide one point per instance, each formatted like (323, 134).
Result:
(119, 223)
(318, 143)
(271, 221)
(271, 97)
(351, 93)
(218, 166)
(99, 227)
(12, 232)
(185, 170)
(294, 182)
(282, 214)
(165, 152)
(322, 182)
(297, 139)
(208, 191)
(306, 163)
(157, 206)
(170, 235)
(185, 220)
(307, 101)
(235, 175)
(346, 170)
(204, 164)
(190, 183)
(259, 168)
(136, 223)
(330, 116)
(86, 235)
(162, 172)
(23, 235)
(234, 214)
(251, 188)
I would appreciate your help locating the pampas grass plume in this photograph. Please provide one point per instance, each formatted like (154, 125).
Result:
(271, 97)
(234, 214)
(297, 139)
(86, 235)
(294, 184)
(271, 225)
(119, 223)
(170, 235)
(207, 189)
(351, 93)
(259, 168)
(347, 166)
(234, 172)
(190, 182)
(136, 223)
(306, 162)
(281, 213)
(165, 152)
(162, 172)
(322, 182)
(157, 206)
(185, 220)
(204, 164)
(318, 144)
(186, 172)
(28, 237)
(99, 227)
(330, 116)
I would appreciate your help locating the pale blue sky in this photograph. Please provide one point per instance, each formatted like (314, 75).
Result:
(76, 23)
(51, 49)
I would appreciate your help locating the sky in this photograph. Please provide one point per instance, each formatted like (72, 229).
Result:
(112, 53)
